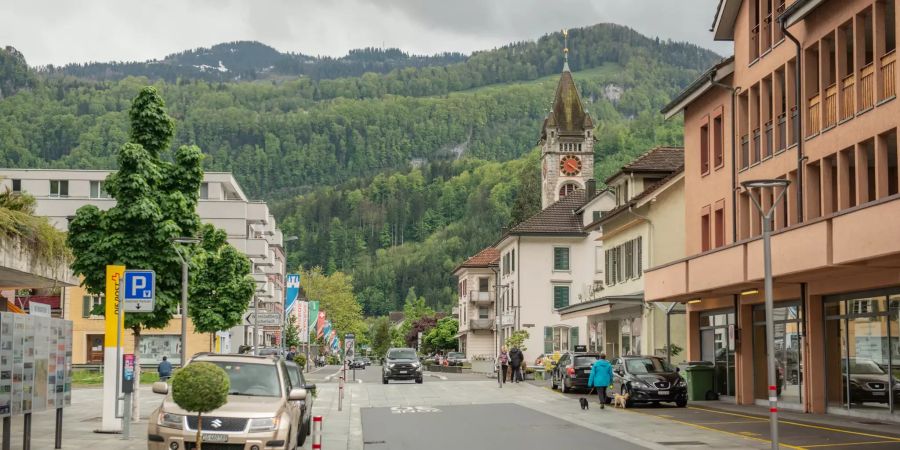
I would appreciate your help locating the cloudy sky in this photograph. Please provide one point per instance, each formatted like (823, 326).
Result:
(62, 31)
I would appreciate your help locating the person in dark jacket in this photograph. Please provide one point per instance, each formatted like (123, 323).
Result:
(516, 357)
(601, 377)
(165, 369)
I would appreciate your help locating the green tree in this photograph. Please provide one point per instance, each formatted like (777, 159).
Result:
(381, 336)
(443, 335)
(517, 339)
(335, 295)
(200, 387)
(291, 332)
(222, 286)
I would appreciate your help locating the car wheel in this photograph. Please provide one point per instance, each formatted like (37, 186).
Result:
(628, 403)
(419, 380)
(553, 384)
(384, 380)
(681, 402)
(309, 426)
(301, 439)
(562, 386)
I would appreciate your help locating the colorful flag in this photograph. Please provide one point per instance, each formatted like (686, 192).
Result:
(326, 328)
(300, 312)
(292, 291)
(313, 314)
(320, 325)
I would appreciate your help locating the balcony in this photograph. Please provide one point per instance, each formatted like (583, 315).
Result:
(888, 76)
(770, 139)
(481, 324)
(814, 116)
(848, 97)
(830, 106)
(745, 151)
(757, 146)
(257, 212)
(867, 87)
(782, 132)
(481, 298)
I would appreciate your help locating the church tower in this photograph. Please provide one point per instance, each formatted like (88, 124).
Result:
(567, 141)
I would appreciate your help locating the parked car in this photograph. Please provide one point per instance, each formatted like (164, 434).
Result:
(456, 359)
(648, 379)
(263, 406)
(367, 360)
(357, 363)
(401, 364)
(572, 371)
(868, 381)
(295, 374)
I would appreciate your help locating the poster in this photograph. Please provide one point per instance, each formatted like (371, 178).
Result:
(5, 364)
(302, 314)
(35, 363)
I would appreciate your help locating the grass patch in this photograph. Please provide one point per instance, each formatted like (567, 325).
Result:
(90, 377)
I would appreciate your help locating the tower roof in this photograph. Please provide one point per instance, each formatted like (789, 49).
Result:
(567, 113)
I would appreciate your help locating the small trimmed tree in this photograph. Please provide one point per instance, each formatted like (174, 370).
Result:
(200, 387)
(517, 339)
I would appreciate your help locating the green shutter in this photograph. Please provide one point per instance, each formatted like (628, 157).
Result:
(607, 255)
(560, 258)
(573, 338)
(548, 340)
(640, 257)
(560, 296)
(86, 306)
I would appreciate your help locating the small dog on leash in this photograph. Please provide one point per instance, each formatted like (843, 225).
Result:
(584, 404)
(620, 400)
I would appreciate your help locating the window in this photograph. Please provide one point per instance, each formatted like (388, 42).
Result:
(88, 304)
(17, 185)
(204, 191)
(98, 190)
(560, 296)
(613, 263)
(598, 257)
(567, 189)
(704, 149)
(629, 259)
(560, 339)
(59, 188)
(560, 258)
(720, 227)
(718, 137)
(512, 260)
(597, 215)
(704, 232)
(483, 284)
(482, 313)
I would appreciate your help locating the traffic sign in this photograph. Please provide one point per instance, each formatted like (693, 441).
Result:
(349, 345)
(263, 319)
(139, 290)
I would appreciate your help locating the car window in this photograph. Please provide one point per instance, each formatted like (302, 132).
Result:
(647, 365)
(251, 378)
(294, 375)
(586, 360)
(402, 353)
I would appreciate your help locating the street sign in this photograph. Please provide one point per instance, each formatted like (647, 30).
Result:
(139, 290)
(39, 309)
(263, 319)
(349, 345)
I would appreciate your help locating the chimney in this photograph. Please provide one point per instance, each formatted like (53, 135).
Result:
(591, 188)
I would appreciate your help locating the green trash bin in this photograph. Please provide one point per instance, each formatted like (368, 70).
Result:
(699, 379)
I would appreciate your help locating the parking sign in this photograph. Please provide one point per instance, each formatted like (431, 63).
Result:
(139, 290)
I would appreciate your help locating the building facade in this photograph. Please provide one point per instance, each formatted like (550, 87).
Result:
(810, 97)
(477, 308)
(646, 227)
(250, 228)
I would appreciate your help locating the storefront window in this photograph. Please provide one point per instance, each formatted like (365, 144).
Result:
(864, 375)
(788, 364)
(717, 346)
(154, 347)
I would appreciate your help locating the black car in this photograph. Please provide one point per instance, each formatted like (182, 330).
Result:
(869, 381)
(358, 363)
(647, 379)
(572, 371)
(401, 364)
(298, 381)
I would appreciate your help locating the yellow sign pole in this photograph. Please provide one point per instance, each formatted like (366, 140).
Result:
(114, 329)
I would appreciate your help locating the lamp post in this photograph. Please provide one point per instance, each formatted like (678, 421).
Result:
(184, 292)
(767, 262)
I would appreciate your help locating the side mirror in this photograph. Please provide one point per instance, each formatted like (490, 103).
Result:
(161, 387)
(311, 387)
(297, 394)
(617, 371)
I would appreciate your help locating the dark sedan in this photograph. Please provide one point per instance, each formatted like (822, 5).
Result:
(648, 379)
(298, 381)
(572, 371)
(401, 364)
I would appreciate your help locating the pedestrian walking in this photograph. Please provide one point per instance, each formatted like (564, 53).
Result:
(601, 377)
(516, 357)
(164, 369)
(291, 353)
(503, 358)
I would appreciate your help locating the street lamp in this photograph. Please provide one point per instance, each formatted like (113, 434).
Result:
(774, 185)
(184, 291)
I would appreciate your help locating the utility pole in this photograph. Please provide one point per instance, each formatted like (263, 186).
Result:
(184, 292)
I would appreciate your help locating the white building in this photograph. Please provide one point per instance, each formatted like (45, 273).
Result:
(249, 225)
(477, 307)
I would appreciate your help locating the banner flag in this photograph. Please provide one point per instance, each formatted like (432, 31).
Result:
(292, 291)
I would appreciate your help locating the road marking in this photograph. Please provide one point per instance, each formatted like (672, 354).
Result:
(329, 377)
(726, 422)
(817, 427)
(413, 409)
(441, 377)
(849, 443)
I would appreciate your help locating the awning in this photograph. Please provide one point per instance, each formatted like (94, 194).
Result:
(627, 303)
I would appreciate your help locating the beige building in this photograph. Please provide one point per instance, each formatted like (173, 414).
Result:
(645, 228)
(477, 304)
(250, 228)
(809, 97)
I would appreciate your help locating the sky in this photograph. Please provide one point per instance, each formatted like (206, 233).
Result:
(63, 31)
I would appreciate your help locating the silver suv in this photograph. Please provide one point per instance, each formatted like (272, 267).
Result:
(263, 409)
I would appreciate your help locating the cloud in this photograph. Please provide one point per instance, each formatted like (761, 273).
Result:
(58, 32)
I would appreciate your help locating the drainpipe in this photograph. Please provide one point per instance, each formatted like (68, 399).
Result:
(799, 126)
(734, 92)
(498, 325)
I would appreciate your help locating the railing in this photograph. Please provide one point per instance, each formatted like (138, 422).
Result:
(754, 42)
(867, 87)
(888, 77)
(481, 296)
(778, 10)
(813, 119)
(831, 106)
(481, 324)
(745, 151)
(795, 124)
(757, 144)
(770, 140)
(782, 132)
(848, 84)
(766, 34)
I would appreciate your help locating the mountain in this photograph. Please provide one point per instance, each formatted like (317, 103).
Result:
(250, 60)
(393, 177)
(14, 72)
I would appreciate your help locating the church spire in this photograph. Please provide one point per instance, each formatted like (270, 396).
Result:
(565, 33)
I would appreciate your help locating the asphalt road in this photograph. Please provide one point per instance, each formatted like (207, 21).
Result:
(372, 374)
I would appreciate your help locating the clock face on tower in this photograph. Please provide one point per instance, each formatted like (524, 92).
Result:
(570, 165)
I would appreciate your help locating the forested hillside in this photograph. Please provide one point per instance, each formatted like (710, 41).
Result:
(335, 156)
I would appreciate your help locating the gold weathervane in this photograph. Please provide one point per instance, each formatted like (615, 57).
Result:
(565, 33)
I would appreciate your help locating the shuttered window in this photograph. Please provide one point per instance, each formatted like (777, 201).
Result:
(561, 258)
(640, 256)
(548, 340)
(86, 306)
(573, 338)
(560, 296)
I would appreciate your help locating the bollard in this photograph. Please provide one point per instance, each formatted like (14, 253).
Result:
(317, 433)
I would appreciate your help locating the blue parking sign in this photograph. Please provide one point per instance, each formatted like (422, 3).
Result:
(139, 290)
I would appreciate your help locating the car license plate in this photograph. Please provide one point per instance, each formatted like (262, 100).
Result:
(663, 392)
(401, 371)
(879, 394)
(215, 437)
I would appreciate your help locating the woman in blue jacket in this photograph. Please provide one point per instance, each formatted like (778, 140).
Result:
(601, 377)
